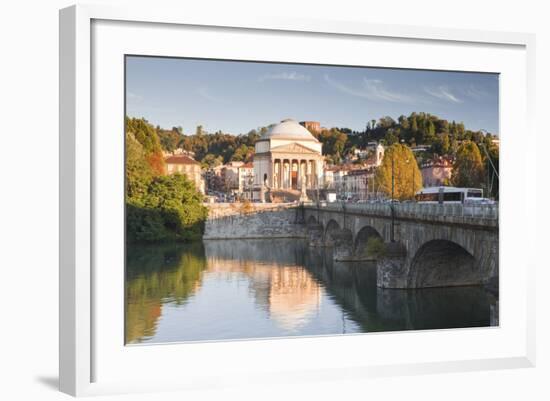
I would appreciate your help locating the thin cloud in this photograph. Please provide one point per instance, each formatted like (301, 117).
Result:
(475, 92)
(373, 89)
(205, 93)
(133, 97)
(442, 92)
(285, 76)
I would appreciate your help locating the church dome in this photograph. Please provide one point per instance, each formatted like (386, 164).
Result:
(289, 129)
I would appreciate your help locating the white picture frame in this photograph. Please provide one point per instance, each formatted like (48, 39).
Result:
(88, 360)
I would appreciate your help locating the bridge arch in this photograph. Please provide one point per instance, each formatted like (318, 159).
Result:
(311, 221)
(364, 235)
(340, 240)
(330, 231)
(444, 263)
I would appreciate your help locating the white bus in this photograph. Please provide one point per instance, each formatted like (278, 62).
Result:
(448, 195)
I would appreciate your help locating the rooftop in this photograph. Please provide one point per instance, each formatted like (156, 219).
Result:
(180, 159)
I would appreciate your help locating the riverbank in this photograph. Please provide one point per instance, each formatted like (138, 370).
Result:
(254, 221)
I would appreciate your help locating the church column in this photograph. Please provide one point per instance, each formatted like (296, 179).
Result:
(286, 168)
(298, 173)
(281, 172)
(278, 172)
(315, 166)
(306, 174)
(273, 173)
(289, 175)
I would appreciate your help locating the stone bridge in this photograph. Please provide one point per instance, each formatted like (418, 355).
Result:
(432, 245)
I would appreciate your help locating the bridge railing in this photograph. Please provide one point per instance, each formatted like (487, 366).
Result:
(417, 210)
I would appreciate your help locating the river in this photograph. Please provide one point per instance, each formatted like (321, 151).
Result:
(242, 289)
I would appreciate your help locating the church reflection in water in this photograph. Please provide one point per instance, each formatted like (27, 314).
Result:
(233, 289)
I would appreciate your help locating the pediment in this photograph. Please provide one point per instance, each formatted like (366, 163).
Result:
(294, 148)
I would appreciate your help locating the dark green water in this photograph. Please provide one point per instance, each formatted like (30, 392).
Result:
(235, 289)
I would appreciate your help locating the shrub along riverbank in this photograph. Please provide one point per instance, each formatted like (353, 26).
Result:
(158, 207)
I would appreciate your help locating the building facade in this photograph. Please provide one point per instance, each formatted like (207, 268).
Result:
(437, 172)
(287, 157)
(230, 176)
(246, 180)
(186, 165)
(359, 183)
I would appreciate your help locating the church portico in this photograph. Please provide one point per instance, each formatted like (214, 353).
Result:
(288, 157)
(290, 173)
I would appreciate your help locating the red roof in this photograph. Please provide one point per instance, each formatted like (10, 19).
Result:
(180, 159)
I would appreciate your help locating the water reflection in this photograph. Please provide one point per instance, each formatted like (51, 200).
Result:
(267, 288)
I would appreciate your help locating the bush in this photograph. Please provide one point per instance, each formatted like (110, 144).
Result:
(171, 208)
(376, 247)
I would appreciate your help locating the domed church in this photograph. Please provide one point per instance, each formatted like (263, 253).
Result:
(287, 156)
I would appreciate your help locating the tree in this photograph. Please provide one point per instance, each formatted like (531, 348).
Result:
(170, 209)
(242, 153)
(334, 143)
(441, 145)
(404, 122)
(414, 125)
(158, 207)
(138, 171)
(468, 166)
(390, 138)
(211, 160)
(146, 135)
(407, 176)
(169, 140)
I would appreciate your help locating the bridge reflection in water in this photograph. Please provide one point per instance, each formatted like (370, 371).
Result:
(234, 289)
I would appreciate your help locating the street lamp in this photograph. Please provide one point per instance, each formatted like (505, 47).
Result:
(392, 235)
(412, 174)
(495, 172)
(250, 177)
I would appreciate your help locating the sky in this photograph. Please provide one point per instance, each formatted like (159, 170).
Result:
(236, 97)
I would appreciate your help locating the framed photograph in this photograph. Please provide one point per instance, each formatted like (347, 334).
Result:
(273, 199)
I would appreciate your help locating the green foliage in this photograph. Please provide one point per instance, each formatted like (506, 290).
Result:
(376, 247)
(407, 176)
(334, 143)
(210, 161)
(441, 145)
(243, 153)
(468, 167)
(170, 140)
(158, 207)
(418, 129)
(146, 135)
(170, 209)
(138, 170)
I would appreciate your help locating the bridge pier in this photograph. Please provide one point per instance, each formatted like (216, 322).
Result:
(391, 267)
